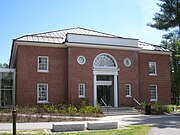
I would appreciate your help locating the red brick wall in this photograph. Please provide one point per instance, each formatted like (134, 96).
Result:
(27, 76)
(162, 79)
(84, 73)
(65, 74)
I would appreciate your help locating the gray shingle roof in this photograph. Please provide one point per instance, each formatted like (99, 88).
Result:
(59, 36)
(148, 46)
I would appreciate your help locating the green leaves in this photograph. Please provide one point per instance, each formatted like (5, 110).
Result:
(168, 16)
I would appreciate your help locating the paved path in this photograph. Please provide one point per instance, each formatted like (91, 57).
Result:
(162, 124)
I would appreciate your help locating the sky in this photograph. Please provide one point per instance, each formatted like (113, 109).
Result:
(125, 18)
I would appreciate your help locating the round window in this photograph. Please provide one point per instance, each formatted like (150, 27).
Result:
(127, 62)
(81, 60)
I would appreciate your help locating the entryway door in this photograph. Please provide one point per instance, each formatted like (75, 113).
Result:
(105, 93)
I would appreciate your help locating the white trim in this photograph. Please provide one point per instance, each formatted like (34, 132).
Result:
(116, 65)
(40, 44)
(84, 90)
(106, 71)
(104, 83)
(155, 52)
(156, 92)
(153, 74)
(44, 71)
(115, 91)
(79, 38)
(38, 93)
(85, 45)
(125, 62)
(78, 60)
(95, 90)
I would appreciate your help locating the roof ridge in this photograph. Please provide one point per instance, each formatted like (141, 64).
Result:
(50, 31)
(70, 29)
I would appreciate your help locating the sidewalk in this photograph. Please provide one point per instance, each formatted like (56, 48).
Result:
(160, 121)
(48, 125)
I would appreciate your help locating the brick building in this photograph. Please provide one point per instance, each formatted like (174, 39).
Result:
(79, 64)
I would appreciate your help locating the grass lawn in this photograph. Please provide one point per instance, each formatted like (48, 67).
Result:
(130, 130)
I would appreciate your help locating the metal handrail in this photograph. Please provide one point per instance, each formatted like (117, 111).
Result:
(137, 102)
(105, 105)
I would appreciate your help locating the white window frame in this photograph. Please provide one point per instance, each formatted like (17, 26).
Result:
(156, 99)
(47, 64)
(130, 90)
(155, 68)
(38, 93)
(83, 86)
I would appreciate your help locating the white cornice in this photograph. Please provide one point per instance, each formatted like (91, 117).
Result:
(40, 44)
(155, 52)
(102, 46)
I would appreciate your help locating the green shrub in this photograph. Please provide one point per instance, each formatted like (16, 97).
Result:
(168, 108)
(50, 108)
(87, 109)
(62, 108)
(157, 107)
(72, 109)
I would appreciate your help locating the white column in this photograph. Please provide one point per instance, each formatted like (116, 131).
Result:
(115, 92)
(95, 91)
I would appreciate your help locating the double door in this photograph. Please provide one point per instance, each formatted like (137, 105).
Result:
(104, 92)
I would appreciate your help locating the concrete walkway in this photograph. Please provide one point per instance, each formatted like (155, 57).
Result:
(162, 124)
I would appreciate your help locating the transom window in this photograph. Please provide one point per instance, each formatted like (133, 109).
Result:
(42, 64)
(153, 92)
(128, 90)
(152, 68)
(81, 87)
(104, 60)
(104, 78)
(42, 93)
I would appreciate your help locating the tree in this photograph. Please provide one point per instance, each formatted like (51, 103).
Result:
(172, 41)
(168, 18)
(4, 65)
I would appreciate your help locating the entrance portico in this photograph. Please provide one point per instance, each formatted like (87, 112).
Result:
(105, 65)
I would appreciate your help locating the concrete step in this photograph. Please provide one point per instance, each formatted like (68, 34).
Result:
(111, 111)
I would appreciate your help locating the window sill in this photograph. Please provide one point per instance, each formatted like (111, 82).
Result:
(153, 75)
(153, 100)
(42, 102)
(82, 97)
(42, 71)
(128, 96)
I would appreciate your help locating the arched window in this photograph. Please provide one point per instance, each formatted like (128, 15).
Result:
(104, 61)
